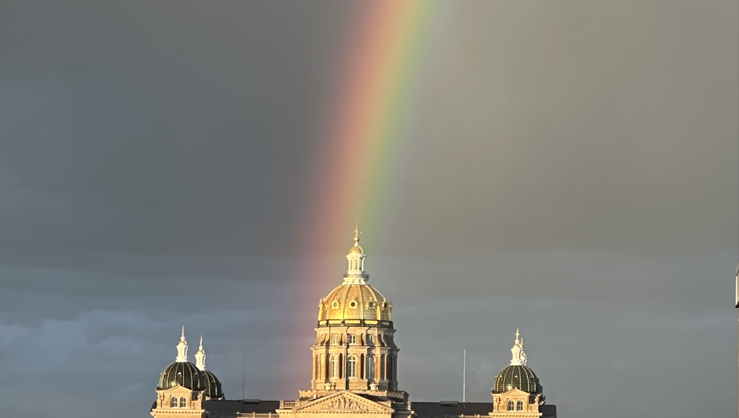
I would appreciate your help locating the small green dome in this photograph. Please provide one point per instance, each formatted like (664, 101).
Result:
(212, 386)
(182, 373)
(517, 376)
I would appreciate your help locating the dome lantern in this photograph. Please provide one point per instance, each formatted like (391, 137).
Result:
(518, 355)
(182, 348)
(355, 271)
(200, 356)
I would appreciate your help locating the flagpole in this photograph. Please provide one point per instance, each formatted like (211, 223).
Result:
(464, 376)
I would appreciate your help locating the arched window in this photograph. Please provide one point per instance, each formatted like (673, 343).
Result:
(370, 367)
(335, 339)
(519, 406)
(173, 402)
(510, 405)
(334, 367)
(351, 367)
(370, 340)
(183, 402)
(351, 339)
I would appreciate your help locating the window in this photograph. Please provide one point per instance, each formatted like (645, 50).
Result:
(351, 339)
(370, 367)
(173, 402)
(351, 367)
(183, 402)
(510, 405)
(519, 406)
(353, 304)
(335, 339)
(334, 367)
(335, 305)
(370, 340)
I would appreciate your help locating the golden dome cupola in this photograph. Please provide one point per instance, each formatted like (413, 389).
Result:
(355, 302)
(355, 348)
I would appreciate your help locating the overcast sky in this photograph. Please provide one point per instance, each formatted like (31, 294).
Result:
(573, 171)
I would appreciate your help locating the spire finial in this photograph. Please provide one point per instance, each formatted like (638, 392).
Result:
(518, 355)
(182, 348)
(200, 356)
(356, 234)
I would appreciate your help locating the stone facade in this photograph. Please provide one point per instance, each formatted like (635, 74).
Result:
(179, 402)
(515, 403)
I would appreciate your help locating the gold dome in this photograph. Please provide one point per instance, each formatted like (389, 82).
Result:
(356, 249)
(350, 302)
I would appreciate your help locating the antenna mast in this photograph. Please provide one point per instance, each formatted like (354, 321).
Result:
(464, 376)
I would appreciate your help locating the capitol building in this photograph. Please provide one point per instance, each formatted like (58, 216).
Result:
(355, 371)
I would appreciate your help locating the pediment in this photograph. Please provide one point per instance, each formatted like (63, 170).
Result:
(344, 401)
(177, 390)
(515, 392)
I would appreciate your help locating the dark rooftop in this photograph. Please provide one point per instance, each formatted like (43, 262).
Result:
(219, 409)
(444, 409)
(451, 409)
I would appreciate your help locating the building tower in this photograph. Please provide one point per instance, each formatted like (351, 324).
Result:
(517, 391)
(211, 384)
(180, 388)
(354, 357)
(354, 347)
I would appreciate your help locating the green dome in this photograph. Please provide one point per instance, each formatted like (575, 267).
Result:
(212, 386)
(518, 377)
(182, 373)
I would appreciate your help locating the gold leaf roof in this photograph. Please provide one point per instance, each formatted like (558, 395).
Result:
(355, 301)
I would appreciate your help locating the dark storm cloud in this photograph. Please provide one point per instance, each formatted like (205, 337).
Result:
(571, 170)
(143, 127)
(147, 128)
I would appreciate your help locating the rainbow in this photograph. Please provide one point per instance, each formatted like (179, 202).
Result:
(362, 152)
(370, 117)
